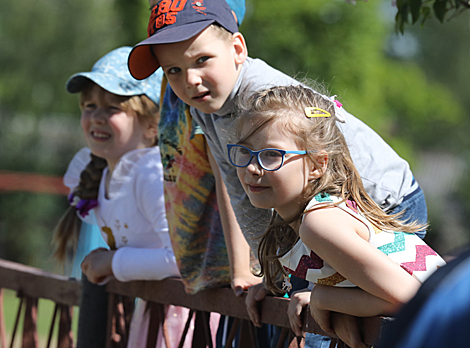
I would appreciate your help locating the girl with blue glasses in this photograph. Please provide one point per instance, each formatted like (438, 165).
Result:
(291, 157)
(268, 159)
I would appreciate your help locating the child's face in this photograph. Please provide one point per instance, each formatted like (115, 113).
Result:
(281, 189)
(109, 131)
(203, 70)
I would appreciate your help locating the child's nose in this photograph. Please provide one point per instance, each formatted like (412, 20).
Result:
(98, 116)
(192, 78)
(254, 167)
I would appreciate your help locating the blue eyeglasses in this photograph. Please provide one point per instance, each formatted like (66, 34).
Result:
(268, 159)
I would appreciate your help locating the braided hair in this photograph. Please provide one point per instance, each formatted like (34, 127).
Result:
(68, 228)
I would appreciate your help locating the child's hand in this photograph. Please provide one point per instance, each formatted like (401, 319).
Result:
(299, 299)
(97, 265)
(256, 293)
(321, 316)
(242, 282)
(347, 329)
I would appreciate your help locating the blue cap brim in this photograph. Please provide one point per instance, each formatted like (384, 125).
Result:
(110, 83)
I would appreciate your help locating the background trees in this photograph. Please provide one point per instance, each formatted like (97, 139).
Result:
(43, 43)
(412, 88)
(413, 11)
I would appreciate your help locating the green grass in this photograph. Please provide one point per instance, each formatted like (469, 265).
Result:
(44, 319)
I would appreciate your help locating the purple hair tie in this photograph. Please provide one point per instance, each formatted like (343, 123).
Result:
(83, 206)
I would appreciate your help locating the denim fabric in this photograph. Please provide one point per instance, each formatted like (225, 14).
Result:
(414, 207)
(316, 341)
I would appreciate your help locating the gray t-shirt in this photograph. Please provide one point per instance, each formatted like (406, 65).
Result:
(387, 177)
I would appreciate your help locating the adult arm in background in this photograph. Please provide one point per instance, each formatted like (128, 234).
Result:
(237, 247)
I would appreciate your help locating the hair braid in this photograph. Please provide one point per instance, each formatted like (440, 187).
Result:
(66, 233)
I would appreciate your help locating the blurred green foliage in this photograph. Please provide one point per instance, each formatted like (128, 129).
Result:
(413, 11)
(26, 220)
(45, 41)
(342, 45)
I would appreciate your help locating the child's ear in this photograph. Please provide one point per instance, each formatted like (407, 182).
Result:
(151, 130)
(239, 45)
(322, 159)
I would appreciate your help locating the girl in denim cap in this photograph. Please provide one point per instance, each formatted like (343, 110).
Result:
(119, 179)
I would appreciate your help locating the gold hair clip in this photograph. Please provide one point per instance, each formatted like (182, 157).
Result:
(316, 112)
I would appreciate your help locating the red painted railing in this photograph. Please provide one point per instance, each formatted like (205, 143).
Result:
(31, 182)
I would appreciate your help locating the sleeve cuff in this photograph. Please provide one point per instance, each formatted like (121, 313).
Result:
(144, 264)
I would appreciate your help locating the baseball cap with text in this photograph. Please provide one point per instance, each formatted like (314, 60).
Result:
(175, 21)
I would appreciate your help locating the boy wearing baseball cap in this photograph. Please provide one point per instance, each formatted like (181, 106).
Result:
(205, 60)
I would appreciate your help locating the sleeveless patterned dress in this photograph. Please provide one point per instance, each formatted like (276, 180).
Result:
(406, 249)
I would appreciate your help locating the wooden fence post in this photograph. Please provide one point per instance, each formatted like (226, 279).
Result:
(65, 338)
(30, 334)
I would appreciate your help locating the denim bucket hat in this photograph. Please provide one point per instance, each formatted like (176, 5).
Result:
(112, 74)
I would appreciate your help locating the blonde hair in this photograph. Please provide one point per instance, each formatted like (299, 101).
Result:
(316, 135)
(221, 32)
(140, 105)
(66, 233)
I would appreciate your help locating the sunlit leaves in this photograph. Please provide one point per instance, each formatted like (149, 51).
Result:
(422, 10)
